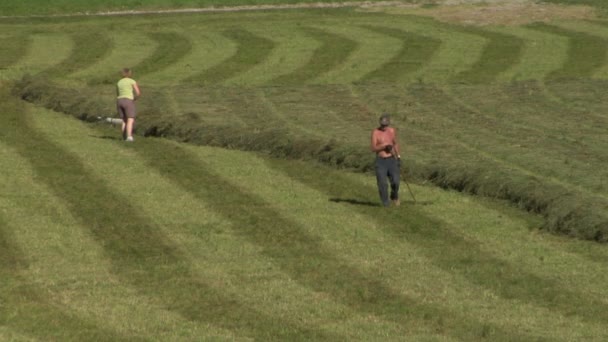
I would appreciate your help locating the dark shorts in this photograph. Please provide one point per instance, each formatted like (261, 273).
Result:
(126, 108)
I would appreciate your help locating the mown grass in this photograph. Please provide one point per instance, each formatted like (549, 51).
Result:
(167, 241)
(251, 50)
(293, 243)
(586, 53)
(416, 51)
(458, 122)
(332, 51)
(88, 48)
(61, 7)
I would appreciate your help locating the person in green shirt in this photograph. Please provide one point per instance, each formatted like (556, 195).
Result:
(127, 92)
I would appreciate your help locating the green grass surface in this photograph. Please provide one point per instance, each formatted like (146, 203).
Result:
(254, 238)
(161, 240)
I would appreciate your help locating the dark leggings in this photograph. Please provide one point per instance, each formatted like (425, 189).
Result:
(387, 170)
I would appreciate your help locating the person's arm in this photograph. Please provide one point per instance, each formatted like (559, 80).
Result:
(376, 146)
(136, 90)
(396, 151)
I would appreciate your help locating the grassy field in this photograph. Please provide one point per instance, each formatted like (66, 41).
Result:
(63, 7)
(161, 240)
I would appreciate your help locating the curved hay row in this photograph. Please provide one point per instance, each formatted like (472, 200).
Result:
(292, 50)
(89, 47)
(171, 47)
(369, 51)
(251, 51)
(542, 53)
(209, 49)
(127, 51)
(586, 54)
(501, 53)
(457, 52)
(415, 53)
(14, 47)
(333, 50)
(44, 51)
(595, 29)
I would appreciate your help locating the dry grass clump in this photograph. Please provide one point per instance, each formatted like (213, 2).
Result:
(486, 12)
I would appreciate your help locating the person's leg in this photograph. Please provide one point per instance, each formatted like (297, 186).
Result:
(129, 129)
(381, 178)
(122, 113)
(130, 121)
(393, 176)
(124, 128)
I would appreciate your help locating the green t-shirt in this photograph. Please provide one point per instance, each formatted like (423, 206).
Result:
(124, 88)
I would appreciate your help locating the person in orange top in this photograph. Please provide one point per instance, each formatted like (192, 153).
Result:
(388, 160)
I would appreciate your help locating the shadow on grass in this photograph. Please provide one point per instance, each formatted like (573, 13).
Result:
(106, 137)
(139, 251)
(26, 308)
(451, 251)
(302, 255)
(354, 201)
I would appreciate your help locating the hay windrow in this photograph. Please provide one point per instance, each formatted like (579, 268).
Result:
(566, 211)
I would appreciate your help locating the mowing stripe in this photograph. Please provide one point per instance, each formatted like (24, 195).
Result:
(14, 47)
(416, 51)
(586, 53)
(597, 29)
(372, 50)
(223, 259)
(141, 254)
(457, 254)
(542, 254)
(334, 51)
(298, 253)
(251, 51)
(127, 51)
(364, 244)
(292, 50)
(44, 50)
(541, 54)
(459, 49)
(171, 47)
(209, 48)
(66, 263)
(88, 49)
(501, 53)
(26, 309)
